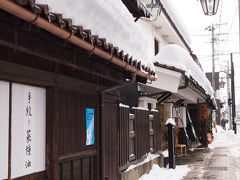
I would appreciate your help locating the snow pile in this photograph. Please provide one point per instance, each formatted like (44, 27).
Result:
(157, 173)
(170, 121)
(235, 152)
(140, 108)
(123, 105)
(225, 139)
(165, 153)
(176, 56)
(173, 13)
(108, 19)
(220, 129)
(149, 158)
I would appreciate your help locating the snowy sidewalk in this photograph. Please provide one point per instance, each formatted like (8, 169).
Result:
(223, 162)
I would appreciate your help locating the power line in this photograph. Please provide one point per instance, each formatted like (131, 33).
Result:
(234, 16)
(234, 33)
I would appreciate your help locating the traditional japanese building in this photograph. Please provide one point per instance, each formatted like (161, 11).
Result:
(181, 88)
(59, 88)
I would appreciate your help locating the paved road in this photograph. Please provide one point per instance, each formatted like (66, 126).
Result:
(218, 164)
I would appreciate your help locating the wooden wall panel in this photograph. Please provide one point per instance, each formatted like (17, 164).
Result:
(142, 132)
(123, 136)
(157, 131)
(76, 159)
(110, 152)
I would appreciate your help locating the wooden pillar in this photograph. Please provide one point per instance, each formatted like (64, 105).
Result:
(52, 168)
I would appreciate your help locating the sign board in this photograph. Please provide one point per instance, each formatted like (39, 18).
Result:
(28, 129)
(4, 128)
(90, 126)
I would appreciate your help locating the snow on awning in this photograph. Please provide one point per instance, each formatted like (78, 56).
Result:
(176, 56)
(108, 19)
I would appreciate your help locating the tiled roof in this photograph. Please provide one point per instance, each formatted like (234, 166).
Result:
(85, 34)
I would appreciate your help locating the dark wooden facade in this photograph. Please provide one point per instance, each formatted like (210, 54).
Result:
(74, 80)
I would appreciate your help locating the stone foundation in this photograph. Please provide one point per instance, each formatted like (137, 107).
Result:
(139, 170)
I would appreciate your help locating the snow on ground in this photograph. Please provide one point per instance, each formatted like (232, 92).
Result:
(165, 153)
(226, 138)
(157, 173)
(147, 159)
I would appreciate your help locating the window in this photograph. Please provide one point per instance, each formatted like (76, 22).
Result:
(150, 106)
(156, 46)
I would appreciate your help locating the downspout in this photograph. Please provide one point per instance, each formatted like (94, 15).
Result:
(30, 17)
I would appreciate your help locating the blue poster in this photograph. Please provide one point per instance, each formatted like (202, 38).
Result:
(90, 126)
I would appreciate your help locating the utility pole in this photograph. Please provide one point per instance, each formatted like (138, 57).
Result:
(213, 39)
(233, 96)
(239, 22)
(213, 60)
(229, 96)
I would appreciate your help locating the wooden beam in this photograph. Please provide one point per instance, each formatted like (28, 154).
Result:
(23, 74)
(53, 59)
(80, 155)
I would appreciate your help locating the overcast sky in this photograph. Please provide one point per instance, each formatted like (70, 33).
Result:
(192, 15)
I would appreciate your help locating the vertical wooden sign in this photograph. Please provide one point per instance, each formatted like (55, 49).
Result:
(28, 130)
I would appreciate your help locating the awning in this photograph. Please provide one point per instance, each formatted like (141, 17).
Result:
(177, 57)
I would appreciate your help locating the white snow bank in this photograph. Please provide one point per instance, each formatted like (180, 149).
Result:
(140, 108)
(225, 139)
(123, 105)
(108, 19)
(148, 159)
(173, 13)
(165, 153)
(158, 173)
(174, 55)
(235, 152)
(170, 121)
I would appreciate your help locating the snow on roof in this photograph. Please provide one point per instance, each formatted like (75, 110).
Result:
(108, 19)
(176, 56)
(174, 15)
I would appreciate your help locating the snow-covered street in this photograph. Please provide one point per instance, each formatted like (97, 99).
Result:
(222, 162)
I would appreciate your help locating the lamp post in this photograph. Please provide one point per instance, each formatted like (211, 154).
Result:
(210, 7)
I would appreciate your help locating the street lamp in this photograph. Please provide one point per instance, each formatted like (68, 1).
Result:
(210, 7)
